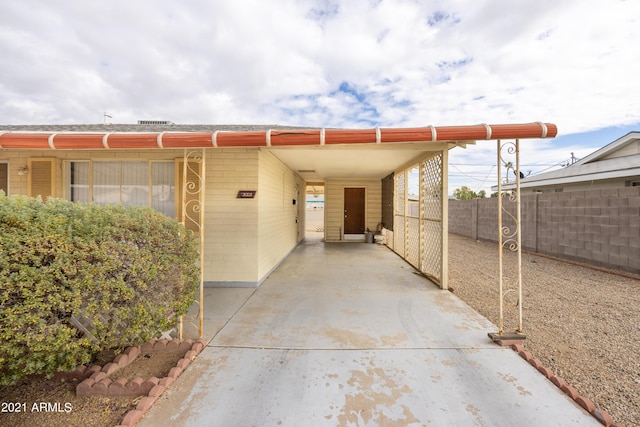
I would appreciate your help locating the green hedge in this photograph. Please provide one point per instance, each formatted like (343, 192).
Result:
(123, 273)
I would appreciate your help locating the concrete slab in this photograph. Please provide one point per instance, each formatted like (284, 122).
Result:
(349, 335)
(335, 318)
(220, 304)
(443, 387)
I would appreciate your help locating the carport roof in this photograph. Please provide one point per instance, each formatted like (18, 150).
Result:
(364, 153)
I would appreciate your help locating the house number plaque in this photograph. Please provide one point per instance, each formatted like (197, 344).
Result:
(246, 194)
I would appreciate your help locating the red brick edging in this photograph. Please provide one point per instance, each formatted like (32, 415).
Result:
(96, 382)
(603, 417)
(132, 417)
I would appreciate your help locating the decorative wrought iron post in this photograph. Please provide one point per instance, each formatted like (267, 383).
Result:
(193, 202)
(509, 237)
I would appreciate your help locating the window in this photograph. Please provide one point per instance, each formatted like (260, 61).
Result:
(78, 173)
(128, 183)
(163, 189)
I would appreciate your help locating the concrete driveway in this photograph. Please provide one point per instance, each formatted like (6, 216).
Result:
(347, 334)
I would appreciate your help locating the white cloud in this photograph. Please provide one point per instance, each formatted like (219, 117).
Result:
(410, 63)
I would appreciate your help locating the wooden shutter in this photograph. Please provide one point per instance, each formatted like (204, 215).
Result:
(41, 178)
(4, 178)
(192, 217)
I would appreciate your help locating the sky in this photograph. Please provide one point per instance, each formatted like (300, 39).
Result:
(332, 63)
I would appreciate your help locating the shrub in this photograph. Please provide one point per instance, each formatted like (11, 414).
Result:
(78, 279)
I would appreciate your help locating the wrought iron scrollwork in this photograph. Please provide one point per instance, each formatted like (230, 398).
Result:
(509, 235)
(193, 190)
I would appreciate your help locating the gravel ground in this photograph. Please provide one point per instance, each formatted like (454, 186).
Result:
(583, 324)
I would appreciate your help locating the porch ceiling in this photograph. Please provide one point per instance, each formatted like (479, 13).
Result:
(316, 164)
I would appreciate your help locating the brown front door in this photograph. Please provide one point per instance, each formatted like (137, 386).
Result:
(353, 210)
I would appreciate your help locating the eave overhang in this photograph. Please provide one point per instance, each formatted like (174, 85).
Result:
(45, 140)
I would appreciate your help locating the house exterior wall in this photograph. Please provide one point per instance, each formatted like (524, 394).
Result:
(334, 205)
(231, 224)
(597, 227)
(602, 184)
(17, 183)
(244, 239)
(281, 223)
(18, 159)
(628, 150)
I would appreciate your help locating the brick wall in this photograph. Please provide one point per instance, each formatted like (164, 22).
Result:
(598, 227)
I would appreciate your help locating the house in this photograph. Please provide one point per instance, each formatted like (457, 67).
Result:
(615, 165)
(243, 188)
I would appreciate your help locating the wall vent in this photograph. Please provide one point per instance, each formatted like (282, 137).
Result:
(155, 122)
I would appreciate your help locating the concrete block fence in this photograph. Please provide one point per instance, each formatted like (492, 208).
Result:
(597, 227)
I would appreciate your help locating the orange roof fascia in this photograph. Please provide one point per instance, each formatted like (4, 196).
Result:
(283, 138)
(271, 137)
(187, 140)
(64, 141)
(132, 140)
(241, 139)
(31, 141)
(351, 136)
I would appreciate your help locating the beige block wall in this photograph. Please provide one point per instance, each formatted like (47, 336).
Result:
(231, 229)
(231, 225)
(280, 223)
(334, 205)
(16, 160)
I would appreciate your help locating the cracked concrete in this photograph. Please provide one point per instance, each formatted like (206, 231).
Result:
(347, 335)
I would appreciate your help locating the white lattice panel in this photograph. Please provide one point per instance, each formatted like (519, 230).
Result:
(399, 193)
(431, 263)
(418, 224)
(431, 237)
(432, 188)
(413, 242)
(398, 234)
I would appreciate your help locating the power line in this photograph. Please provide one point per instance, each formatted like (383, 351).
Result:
(546, 169)
(487, 165)
(487, 177)
(471, 177)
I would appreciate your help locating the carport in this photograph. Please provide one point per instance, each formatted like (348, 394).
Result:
(378, 166)
(412, 166)
(349, 335)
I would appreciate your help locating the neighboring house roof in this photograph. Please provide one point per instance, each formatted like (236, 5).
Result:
(116, 136)
(615, 160)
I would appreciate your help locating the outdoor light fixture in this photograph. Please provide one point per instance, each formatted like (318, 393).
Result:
(22, 170)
